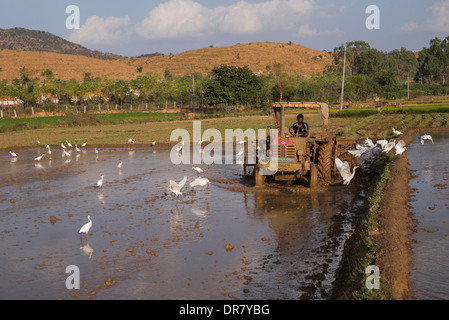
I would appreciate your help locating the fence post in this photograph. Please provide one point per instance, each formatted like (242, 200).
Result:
(84, 108)
(32, 110)
(1, 112)
(15, 113)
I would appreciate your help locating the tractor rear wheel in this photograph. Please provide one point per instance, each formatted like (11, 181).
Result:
(325, 160)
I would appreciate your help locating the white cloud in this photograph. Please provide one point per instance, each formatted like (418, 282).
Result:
(305, 31)
(440, 16)
(178, 18)
(100, 31)
(190, 19)
(175, 18)
(438, 21)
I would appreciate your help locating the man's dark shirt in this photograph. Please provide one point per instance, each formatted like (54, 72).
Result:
(300, 130)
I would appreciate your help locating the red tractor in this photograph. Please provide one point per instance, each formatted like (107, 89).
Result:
(311, 158)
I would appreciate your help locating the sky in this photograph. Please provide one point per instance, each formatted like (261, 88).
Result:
(136, 27)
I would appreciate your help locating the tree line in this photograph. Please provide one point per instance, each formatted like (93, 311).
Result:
(370, 73)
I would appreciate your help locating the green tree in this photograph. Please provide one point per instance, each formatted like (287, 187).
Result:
(233, 85)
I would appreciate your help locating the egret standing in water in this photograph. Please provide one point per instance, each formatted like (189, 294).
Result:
(85, 228)
(13, 154)
(39, 158)
(100, 182)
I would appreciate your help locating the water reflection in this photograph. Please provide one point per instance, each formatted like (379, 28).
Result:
(430, 163)
(87, 249)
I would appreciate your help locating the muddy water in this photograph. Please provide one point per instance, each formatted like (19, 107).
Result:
(225, 241)
(430, 204)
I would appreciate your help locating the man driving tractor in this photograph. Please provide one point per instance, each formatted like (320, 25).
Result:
(300, 128)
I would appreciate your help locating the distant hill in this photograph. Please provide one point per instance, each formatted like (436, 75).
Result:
(260, 57)
(41, 41)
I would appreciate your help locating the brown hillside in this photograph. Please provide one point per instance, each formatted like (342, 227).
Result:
(294, 59)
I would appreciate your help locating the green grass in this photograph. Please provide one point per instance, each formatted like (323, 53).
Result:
(360, 250)
(12, 124)
(369, 112)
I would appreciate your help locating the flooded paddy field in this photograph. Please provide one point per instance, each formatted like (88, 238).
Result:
(430, 204)
(228, 240)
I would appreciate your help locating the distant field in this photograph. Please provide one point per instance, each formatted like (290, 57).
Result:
(117, 129)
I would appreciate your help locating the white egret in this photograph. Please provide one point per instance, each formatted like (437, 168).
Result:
(69, 144)
(199, 170)
(154, 143)
(179, 148)
(83, 145)
(85, 228)
(397, 132)
(382, 143)
(426, 137)
(120, 165)
(39, 158)
(369, 143)
(13, 154)
(100, 182)
(388, 146)
(96, 150)
(65, 153)
(48, 149)
(240, 153)
(400, 147)
(63, 146)
(358, 152)
(130, 141)
(176, 187)
(345, 171)
(77, 149)
(38, 142)
(199, 182)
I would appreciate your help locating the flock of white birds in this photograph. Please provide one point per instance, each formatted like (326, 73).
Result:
(67, 153)
(176, 187)
(369, 149)
(364, 152)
